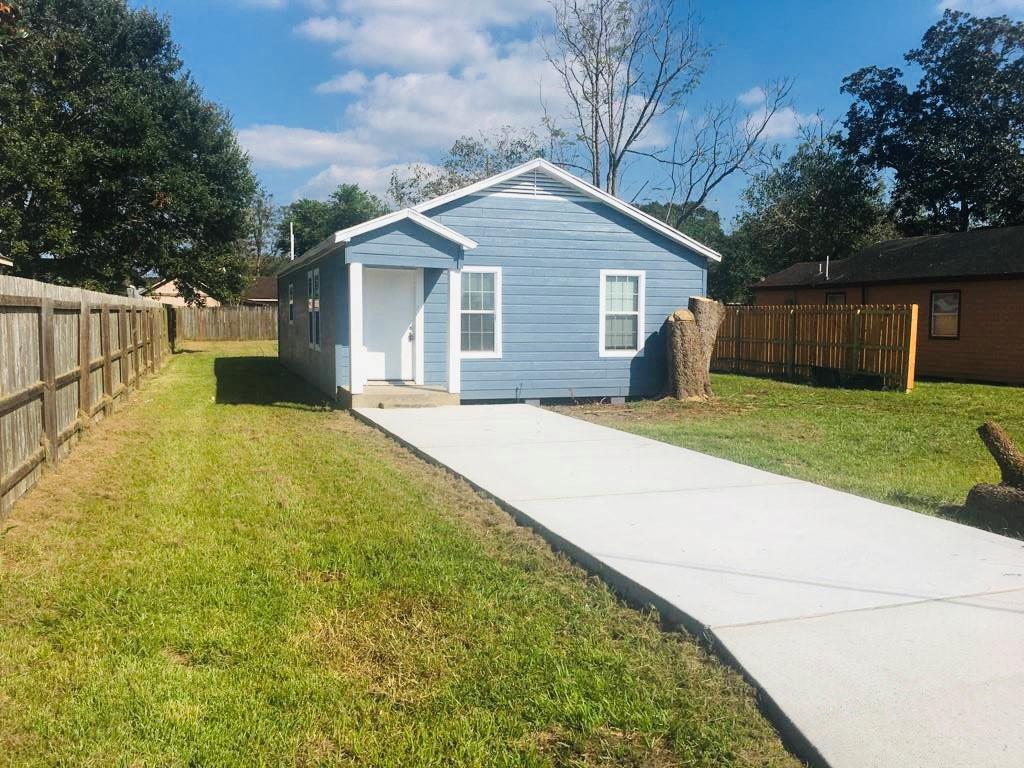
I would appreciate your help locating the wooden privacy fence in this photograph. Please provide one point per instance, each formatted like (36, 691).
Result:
(66, 356)
(821, 343)
(225, 323)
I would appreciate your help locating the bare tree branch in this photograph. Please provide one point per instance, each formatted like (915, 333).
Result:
(623, 64)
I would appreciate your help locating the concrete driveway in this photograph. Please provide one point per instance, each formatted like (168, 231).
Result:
(876, 636)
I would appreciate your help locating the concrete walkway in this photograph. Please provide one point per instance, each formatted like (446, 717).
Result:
(877, 636)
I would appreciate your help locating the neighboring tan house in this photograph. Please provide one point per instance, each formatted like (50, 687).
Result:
(263, 292)
(531, 284)
(166, 292)
(5, 265)
(969, 288)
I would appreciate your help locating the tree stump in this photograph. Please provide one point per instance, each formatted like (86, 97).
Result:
(999, 506)
(691, 342)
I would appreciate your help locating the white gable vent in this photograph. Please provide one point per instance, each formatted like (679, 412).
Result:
(534, 183)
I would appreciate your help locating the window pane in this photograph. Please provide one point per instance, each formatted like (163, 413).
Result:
(477, 332)
(620, 331)
(946, 302)
(478, 290)
(622, 293)
(945, 325)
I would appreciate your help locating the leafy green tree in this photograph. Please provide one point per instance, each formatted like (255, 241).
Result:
(112, 164)
(820, 204)
(468, 160)
(315, 220)
(700, 223)
(956, 142)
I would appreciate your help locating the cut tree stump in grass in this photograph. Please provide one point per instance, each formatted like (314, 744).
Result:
(999, 506)
(691, 342)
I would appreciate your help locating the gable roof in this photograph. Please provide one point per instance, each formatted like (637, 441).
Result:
(344, 236)
(415, 214)
(978, 253)
(589, 190)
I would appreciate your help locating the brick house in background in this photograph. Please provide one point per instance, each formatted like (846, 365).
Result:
(969, 288)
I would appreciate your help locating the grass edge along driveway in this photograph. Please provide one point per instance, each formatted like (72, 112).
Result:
(230, 573)
(917, 450)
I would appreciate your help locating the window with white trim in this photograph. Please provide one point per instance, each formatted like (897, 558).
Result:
(480, 316)
(313, 307)
(621, 332)
(291, 303)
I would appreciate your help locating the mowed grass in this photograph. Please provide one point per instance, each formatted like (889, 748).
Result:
(918, 450)
(230, 573)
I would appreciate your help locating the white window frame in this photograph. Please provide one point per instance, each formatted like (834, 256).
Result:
(479, 354)
(291, 302)
(641, 333)
(313, 308)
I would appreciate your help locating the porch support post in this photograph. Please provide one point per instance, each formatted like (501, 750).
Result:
(356, 374)
(419, 375)
(454, 330)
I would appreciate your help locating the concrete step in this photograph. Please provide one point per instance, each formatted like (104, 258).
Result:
(398, 396)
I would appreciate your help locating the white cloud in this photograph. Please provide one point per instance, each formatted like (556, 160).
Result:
(784, 124)
(985, 7)
(404, 43)
(279, 146)
(755, 95)
(373, 178)
(352, 81)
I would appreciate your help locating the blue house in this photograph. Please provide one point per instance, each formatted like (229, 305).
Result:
(527, 285)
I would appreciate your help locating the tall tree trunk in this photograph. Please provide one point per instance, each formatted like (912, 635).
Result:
(691, 342)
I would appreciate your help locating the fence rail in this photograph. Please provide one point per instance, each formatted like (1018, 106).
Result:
(66, 356)
(824, 343)
(225, 323)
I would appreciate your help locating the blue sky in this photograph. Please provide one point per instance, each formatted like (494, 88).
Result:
(329, 91)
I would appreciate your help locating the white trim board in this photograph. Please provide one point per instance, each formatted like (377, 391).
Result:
(356, 375)
(418, 329)
(495, 353)
(587, 189)
(641, 331)
(454, 331)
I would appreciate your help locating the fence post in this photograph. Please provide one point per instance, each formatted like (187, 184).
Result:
(791, 345)
(46, 365)
(122, 340)
(84, 359)
(108, 369)
(909, 370)
(856, 342)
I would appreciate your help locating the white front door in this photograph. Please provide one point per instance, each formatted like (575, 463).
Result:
(389, 320)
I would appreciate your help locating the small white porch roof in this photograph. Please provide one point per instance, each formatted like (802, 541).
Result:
(347, 235)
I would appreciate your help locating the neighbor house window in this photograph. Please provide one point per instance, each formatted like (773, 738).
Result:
(835, 297)
(481, 312)
(622, 313)
(313, 307)
(945, 316)
(291, 303)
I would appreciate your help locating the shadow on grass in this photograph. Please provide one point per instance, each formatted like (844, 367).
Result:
(250, 380)
(1001, 525)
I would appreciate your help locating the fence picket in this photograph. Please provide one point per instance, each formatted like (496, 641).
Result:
(802, 342)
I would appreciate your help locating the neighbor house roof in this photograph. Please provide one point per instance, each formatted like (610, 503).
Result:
(415, 214)
(263, 289)
(978, 253)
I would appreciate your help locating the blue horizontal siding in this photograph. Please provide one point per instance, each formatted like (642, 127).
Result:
(435, 326)
(551, 253)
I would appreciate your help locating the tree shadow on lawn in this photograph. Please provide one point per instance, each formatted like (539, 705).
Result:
(255, 380)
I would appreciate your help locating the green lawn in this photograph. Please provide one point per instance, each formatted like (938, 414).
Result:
(229, 573)
(917, 450)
